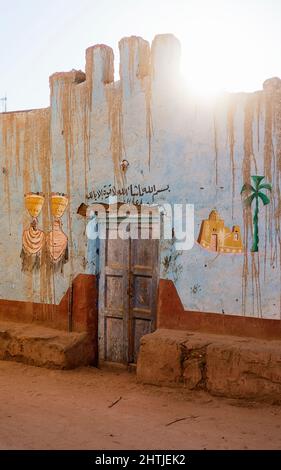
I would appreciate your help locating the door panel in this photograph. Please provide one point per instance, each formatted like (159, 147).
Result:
(142, 286)
(140, 328)
(113, 256)
(114, 340)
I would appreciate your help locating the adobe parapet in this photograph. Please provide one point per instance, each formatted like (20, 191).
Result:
(137, 61)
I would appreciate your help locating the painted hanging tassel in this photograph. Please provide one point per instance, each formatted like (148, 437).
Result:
(56, 239)
(33, 238)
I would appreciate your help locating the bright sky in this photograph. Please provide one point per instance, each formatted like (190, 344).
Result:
(226, 44)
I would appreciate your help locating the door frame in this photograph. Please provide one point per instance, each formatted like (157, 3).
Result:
(104, 222)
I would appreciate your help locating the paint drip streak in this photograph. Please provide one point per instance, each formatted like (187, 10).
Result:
(231, 141)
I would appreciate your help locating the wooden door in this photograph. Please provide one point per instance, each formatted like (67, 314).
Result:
(127, 297)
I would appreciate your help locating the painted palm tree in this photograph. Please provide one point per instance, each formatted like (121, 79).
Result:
(255, 193)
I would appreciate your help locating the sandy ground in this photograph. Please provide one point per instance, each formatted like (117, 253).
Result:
(45, 409)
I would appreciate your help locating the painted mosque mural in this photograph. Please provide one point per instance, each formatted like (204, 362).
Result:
(34, 240)
(215, 236)
(254, 194)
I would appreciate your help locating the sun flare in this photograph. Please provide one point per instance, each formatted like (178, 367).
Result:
(221, 57)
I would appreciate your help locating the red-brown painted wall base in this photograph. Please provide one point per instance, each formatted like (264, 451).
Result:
(54, 316)
(85, 308)
(171, 314)
(80, 302)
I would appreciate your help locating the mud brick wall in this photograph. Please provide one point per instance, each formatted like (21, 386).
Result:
(204, 151)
